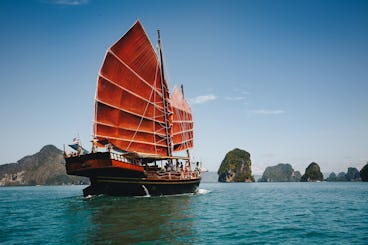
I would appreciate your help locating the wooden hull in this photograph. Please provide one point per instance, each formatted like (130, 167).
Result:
(139, 187)
(112, 176)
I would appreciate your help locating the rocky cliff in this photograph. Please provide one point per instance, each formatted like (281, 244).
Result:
(283, 172)
(364, 172)
(236, 167)
(353, 174)
(312, 173)
(47, 167)
(339, 177)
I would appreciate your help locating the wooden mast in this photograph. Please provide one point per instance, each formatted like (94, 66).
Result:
(182, 92)
(164, 101)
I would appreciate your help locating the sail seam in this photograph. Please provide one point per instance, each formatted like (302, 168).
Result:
(132, 113)
(127, 129)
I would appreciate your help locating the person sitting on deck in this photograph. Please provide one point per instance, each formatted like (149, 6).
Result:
(79, 150)
(94, 145)
(197, 166)
(109, 147)
(181, 171)
(187, 169)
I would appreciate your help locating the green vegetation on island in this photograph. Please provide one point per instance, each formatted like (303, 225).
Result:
(236, 167)
(312, 173)
(283, 172)
(339, 177)
(47, 167)
(352, 174)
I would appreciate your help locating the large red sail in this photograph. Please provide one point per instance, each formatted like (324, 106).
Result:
(129, 98)
(182, 129)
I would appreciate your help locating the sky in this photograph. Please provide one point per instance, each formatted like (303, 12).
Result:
(286, 81)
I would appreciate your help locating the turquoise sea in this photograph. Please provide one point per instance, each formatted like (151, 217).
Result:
(255, 213)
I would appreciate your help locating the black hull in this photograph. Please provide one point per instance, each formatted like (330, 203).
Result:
(139, 187)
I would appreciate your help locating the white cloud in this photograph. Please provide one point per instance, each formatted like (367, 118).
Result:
(235, 98)
(67, 2)
(237, 94)
(268, 112)
(202, 99)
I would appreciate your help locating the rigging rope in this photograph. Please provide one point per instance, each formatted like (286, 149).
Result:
(144, 113)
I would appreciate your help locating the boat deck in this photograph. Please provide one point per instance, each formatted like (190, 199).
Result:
(115, 165)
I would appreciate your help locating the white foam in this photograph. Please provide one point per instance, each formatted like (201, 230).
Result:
(146, 191)
(203, 191)
(89, 197)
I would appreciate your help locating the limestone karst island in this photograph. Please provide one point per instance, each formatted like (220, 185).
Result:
(46, 167)
(236, 167)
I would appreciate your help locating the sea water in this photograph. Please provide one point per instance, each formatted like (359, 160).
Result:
(246, 213)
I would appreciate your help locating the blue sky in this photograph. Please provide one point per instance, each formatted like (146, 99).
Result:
(285, 80)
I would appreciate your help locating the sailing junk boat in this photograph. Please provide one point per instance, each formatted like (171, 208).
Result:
(138, 126)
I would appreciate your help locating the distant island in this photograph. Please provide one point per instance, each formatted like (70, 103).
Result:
(312, 173)
(353, 174)
(236, 167)
(46, 167)
(283, 172)
(364, 173)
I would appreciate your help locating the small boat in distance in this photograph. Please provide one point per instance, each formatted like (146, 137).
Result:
(138, 126)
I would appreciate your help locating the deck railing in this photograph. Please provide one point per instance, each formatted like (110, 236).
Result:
(119, 157)
(162, 173)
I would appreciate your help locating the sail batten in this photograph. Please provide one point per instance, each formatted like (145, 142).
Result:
(181, 132)
(153, 119)
(128, 140)
(133, 129)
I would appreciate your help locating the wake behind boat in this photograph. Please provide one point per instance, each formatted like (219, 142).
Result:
(138, 126)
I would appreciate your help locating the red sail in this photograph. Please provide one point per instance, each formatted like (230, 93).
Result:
(182, 129)
(129, 98)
